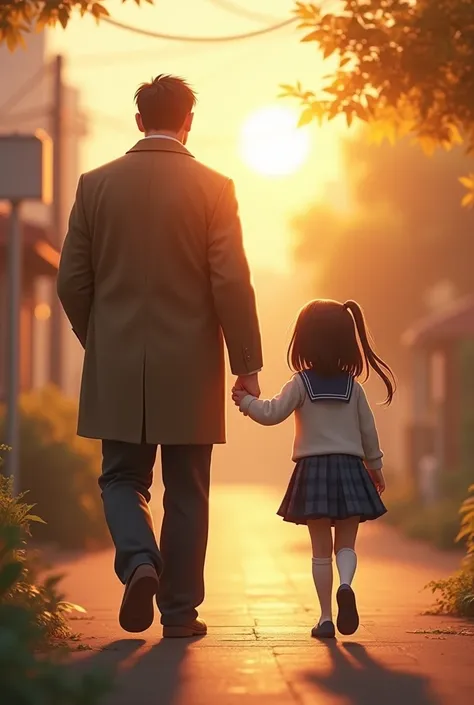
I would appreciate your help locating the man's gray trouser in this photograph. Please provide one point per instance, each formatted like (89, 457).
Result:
(127, 474)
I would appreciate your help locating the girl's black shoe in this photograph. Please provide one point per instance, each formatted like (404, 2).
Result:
(325, 630)
(348, 617)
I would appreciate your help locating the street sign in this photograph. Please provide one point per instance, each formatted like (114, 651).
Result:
(26, 167)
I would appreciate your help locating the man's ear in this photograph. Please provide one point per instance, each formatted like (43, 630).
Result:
(188, 122)
(139, 122)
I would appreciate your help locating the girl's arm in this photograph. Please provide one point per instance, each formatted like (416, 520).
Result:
(270, 412)
(368, 430)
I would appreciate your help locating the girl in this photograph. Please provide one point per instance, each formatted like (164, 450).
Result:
(338, 476)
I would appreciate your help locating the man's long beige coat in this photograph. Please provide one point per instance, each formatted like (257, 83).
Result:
(153, 275)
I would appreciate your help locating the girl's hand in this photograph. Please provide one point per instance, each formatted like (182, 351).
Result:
(238, 395)
(378, 479)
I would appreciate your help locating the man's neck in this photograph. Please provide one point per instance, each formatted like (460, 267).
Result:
(163, 133)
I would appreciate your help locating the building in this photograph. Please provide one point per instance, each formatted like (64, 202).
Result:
(27, 90)
(40, 261)
(441, 435)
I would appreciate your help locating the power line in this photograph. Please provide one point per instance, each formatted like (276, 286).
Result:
(202, 40)
(30, 114)
(236, 9)
(26, 87)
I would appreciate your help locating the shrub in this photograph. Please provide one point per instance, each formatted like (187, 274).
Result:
(60, 471)
(456, 594)
(26, 676)
(467, 525)
(40, 598)
(32, 617)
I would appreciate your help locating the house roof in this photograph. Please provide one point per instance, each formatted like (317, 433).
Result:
(39, 250)
(453, 323)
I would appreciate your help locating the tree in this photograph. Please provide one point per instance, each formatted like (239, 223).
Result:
(407, 67)
(20, 17)
(404, 247)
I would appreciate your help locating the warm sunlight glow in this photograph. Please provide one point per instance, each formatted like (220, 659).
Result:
(272, 143)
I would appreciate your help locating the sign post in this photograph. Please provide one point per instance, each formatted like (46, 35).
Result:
(25, 174)
(14, 344)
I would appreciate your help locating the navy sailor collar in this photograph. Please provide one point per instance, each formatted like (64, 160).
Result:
(321, 388)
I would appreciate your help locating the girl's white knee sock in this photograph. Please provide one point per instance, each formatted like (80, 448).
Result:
(346, 561)
(322, 576)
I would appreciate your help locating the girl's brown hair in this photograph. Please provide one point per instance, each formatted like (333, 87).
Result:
(325, 340)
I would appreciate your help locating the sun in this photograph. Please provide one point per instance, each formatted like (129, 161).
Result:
(272, 143)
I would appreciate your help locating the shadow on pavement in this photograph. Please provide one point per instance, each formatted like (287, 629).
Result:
(154, 675)
(362, 680)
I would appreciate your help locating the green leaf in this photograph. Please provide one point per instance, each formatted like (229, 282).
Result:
(34, 518)
(71, 607)
(9, 575)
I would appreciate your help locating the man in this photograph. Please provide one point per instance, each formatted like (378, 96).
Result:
(153, 275)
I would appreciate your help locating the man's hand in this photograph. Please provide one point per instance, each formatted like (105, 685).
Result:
(249, 383)
(238, 395)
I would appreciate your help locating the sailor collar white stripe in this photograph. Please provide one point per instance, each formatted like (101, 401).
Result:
(321, 396)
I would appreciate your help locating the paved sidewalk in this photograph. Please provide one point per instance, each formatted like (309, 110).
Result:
(260, 608)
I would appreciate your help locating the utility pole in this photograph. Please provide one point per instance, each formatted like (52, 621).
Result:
(57, 127)
(15, 266)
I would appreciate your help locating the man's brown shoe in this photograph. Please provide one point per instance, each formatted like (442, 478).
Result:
(137, 610)
(195, 628)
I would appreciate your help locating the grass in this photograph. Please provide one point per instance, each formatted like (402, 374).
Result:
(443, 631)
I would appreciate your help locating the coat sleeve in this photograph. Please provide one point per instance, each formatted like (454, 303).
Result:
(233, 293)
(75, 283)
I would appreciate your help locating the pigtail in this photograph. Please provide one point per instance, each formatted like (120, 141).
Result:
(372, 360)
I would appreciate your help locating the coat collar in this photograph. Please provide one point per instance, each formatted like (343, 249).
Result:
(160, 145)
(327, 388)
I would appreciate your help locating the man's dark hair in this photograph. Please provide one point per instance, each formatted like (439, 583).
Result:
(164, 103)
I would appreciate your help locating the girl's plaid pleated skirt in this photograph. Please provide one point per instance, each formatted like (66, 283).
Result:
(332, 487)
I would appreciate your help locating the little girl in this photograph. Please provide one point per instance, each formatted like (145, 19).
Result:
(338, 478)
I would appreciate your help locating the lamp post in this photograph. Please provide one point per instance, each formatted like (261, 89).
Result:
(25, 174)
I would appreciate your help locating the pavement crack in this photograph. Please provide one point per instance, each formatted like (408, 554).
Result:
(289, 684)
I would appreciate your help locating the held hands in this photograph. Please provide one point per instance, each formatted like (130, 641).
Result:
(244, 385)
(238, 395)
(378, 479)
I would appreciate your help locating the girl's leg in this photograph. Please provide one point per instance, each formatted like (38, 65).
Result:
(346, 561)
(321, 541)
(346, 558)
